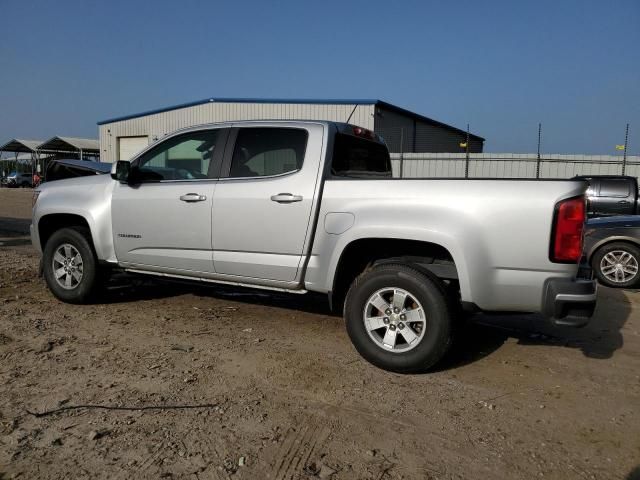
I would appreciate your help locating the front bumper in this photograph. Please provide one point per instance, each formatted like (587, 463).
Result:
(35, 240)
(569, 302)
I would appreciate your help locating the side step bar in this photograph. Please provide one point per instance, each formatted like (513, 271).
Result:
(222, 282)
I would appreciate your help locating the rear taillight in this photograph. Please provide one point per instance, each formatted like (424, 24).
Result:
(568, 223)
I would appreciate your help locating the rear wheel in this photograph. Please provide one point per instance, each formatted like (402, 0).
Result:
(70, 265)
(398, 318)
(617, 265)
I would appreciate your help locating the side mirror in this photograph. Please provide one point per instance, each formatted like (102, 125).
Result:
(120, 171)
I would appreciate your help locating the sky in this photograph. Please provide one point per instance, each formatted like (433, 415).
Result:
(500, 66)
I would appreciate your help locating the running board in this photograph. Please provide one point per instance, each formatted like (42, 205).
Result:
(222, 282)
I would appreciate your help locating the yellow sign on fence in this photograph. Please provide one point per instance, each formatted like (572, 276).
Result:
(619, 147)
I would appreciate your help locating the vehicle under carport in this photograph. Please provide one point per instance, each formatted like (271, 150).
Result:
(70, 168)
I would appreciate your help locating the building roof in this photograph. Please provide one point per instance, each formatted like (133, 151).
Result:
(71, 144)
(317, 101)
(422, 118)
(22, 146)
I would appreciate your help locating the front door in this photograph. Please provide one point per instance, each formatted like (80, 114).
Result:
(262, 210)
(162, 221)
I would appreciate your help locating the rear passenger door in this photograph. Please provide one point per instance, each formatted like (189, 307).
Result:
(263, 203)
(614, 197)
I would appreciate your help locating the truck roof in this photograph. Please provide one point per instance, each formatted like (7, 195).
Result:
(606, 176)
(342, 127)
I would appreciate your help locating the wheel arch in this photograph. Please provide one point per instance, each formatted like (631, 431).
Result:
(609, 240)
(51, 223)
(432, 259)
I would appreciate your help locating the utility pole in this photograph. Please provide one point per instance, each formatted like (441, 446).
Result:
(624, 152)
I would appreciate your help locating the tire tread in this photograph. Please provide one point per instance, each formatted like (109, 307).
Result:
(382, 359)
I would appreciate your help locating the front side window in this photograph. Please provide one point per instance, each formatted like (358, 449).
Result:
(263, 152)
(185, 157)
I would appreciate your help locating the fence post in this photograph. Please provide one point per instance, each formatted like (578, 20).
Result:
(466, 161)
(401, 152)
(538, 160)
(624, 152)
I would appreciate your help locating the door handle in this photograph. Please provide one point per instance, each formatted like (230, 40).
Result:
(286, 198)
(193, 197)
(623, 202)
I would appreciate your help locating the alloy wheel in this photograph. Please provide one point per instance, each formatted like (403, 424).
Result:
(394, 319)
(67, 266)
(619, 266)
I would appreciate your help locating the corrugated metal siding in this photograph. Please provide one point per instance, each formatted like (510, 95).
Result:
(510, 165)
(432, 138)
(159, 124)
(419, 136)
(396, 129)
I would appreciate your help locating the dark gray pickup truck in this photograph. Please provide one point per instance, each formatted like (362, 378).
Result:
(611, 195)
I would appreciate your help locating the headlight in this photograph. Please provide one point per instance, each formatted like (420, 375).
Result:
(34, 199)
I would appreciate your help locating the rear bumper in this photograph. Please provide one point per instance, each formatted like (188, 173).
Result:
(569, 302)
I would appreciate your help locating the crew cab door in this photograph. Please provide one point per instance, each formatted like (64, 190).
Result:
(263, 204)
(162, 221)
(615, 197)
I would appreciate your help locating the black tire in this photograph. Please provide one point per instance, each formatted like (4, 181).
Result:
(78, 238)
(596, 264)
(438, 312)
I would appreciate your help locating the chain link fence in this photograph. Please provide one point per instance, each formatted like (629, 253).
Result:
(412, 156)
(500, 165)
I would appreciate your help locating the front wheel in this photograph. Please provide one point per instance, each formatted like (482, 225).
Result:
(70, 265)
(616, 265)
(398, 318)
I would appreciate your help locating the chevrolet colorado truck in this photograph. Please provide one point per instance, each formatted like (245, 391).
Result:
(303, 206)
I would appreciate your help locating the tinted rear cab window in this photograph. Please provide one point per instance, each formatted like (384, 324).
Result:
(615, 188)
(358, 157)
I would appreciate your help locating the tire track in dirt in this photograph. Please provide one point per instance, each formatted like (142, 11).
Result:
(298, 448)
(143, 466)
(210, 451)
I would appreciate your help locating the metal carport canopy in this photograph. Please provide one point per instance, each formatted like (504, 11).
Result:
(21, 146)
(70, 144)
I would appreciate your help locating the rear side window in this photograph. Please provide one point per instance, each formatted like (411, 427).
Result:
(357, 157)
(264, 152)
(614, 188)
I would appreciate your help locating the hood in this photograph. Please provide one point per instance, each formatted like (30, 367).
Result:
(88, 182)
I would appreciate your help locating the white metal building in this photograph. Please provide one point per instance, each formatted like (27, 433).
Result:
(405, 131)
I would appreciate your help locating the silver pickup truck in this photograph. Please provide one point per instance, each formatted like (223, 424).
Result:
(303, 206)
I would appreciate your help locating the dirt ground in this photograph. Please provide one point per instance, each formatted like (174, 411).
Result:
(279, 392)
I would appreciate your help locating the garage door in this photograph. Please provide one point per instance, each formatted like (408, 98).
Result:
(128, 147)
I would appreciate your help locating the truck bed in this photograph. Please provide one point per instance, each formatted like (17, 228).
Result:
(498, 232)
